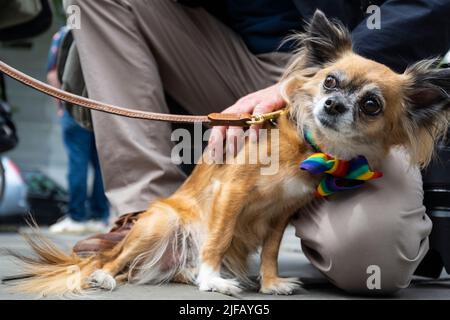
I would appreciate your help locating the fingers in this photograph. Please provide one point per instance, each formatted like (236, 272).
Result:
(218, 134)
(262, 108)
(215, 144)
(261, 102)
(259, 109)
(235, 140)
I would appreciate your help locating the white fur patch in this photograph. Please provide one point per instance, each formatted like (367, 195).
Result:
(103, 280)
(345, 120)
(210, 280)
(216, 185)
(295, 188)
(175, 252)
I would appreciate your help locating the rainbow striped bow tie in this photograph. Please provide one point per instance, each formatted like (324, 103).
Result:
(340, 175)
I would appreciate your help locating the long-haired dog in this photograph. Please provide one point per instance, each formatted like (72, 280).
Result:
(204, 233)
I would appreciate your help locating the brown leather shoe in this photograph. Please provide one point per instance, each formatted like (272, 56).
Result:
(102, 242)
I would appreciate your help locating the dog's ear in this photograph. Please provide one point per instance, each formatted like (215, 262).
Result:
(427, 104)
(324, 40)
(290, 87)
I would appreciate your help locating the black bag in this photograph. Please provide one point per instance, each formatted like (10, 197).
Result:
(8, 132)
(436, 184)
(24, 23)
(71, 77)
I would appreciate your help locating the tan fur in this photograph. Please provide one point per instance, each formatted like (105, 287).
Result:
(231, 222)
(53, 272)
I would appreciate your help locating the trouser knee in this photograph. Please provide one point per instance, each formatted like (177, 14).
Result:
(375, 260)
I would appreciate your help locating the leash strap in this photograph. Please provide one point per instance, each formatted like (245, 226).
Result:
(213, 119)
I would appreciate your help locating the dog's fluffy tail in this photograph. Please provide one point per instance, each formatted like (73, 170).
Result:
(172, 252)
(161, 247)
(50, 271)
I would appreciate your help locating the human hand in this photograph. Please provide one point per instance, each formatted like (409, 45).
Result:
(260, 102)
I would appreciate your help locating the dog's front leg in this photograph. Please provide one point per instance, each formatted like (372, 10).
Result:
(222, 222)
(271, 283)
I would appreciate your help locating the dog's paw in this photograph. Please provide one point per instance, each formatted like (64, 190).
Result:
(103, 280)
(281, 286)
(217, 284)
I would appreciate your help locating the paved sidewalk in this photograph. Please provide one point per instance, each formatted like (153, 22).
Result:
(292, 263)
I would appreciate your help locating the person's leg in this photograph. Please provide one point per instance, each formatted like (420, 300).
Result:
(131, 51)
(118, 68)
(204, 65)
(76, 141)
(370, 240)
(98, 202)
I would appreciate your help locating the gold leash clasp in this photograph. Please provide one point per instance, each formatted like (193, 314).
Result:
(258, 119)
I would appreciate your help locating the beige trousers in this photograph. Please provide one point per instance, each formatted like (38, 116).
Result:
(134, 51)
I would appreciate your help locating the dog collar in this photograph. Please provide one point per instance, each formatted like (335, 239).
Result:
(339, 175)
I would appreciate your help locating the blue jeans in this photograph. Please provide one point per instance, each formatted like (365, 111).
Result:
(81, 151)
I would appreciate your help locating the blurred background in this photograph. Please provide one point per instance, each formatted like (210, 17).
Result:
(34, 169)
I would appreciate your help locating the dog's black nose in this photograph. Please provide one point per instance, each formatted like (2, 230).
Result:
(334, 107)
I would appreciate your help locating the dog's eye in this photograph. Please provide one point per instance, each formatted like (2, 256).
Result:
(330, 83)
(371, 107)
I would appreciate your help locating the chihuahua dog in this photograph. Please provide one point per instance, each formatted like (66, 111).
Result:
(205, 232)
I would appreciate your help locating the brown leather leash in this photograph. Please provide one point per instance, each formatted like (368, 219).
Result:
(213, 119)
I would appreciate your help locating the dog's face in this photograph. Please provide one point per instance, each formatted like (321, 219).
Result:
(353, 99)
(357, 106)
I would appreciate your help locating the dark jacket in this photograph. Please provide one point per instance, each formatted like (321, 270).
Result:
(411, 30)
